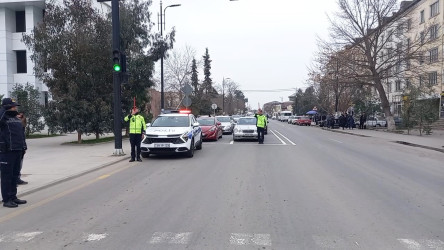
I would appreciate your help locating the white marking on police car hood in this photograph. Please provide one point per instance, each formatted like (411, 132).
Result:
(166, 131)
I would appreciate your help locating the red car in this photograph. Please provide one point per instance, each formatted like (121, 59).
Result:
(211, 128)
(303, 121)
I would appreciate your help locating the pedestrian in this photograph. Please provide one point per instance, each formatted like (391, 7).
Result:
(12, 148)
(362, 120)
(261, 123)
(342, 121)
(351, 121)
(22, 117)
(137, 128)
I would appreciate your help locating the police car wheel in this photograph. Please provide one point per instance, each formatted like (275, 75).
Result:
(190, 152)
(199, 147)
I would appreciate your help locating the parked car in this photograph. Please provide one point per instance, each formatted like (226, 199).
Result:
(227, 124)
(290, 119)
(211, 128)
(304, 120)
(376, 122)
(294, 120)
(245, 128)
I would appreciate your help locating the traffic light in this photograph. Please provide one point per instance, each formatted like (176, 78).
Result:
(116, 61)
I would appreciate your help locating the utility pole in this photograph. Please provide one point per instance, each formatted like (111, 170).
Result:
(162, 95)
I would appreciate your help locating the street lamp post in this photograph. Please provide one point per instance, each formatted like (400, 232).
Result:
(223, 94)
(162, 14)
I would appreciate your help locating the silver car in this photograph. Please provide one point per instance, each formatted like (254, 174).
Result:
(245, 129)
(227, 124)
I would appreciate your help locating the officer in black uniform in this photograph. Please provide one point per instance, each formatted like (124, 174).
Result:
(12, 148)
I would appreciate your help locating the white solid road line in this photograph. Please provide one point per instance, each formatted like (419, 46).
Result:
(335, 140)
(250, 239)
(285, 137)
(171, 238)
(278, 137)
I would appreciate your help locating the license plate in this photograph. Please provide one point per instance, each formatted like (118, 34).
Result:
(161, 145)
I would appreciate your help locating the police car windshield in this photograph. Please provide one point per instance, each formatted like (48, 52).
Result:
(171, 121)
(246, 121)
(223, 119)
(206, 122)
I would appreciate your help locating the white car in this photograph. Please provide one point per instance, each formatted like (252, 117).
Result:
(227, 124)
(245, 128)
(172, 133)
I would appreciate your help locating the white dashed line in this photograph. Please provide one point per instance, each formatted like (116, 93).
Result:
(278, 137)
(170, 238)
(421, 244)
(19, 237)
(285, 138)
(250, 239)
(231, 142)
(95, 237)
(335, 141)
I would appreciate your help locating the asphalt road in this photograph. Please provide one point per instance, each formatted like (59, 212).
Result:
(305, 188)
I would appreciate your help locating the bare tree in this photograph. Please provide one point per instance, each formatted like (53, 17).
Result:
(372, 42)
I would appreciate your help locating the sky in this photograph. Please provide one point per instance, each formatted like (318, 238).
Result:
(260, 45)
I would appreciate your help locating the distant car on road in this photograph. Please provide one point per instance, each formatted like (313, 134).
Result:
(211, 128)
(245, 128)
(227, 124)
(304, 120)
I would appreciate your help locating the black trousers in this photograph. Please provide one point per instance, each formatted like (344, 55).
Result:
(260, 134)
(10, 166)
(135, 140)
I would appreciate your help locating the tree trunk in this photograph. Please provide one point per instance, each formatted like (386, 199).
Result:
(385, 105)
(97, 135)
(79, 137)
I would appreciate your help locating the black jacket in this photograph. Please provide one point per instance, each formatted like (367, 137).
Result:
(12, 135)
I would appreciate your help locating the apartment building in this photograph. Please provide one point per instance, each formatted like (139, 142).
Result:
(16, 67)
(418, 27)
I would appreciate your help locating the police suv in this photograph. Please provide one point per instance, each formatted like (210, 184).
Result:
(172, 133)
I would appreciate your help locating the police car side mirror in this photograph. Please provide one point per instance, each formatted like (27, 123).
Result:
(148, 124)
(196, 124)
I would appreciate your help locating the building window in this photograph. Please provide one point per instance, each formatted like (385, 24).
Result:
(398, 67)
(389, 53)
(407, 83)
(21, 61)
(421, 59)
(434, 9)
(433, 54)
(408, 64)
(421, 80)
(389, 87)
(398, 85)
(422, 16)
(399, 29)
(433, 78)
(422, 37)
(20, 21)
(409, 24)
(434, 32)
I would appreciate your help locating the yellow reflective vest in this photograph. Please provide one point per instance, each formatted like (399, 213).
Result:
(261, 121)
(137, 124)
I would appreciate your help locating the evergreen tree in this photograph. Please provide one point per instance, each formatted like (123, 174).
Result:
(208, 82)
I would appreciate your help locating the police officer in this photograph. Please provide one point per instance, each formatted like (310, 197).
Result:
(137, 128)
(12, 148)
(261, 123)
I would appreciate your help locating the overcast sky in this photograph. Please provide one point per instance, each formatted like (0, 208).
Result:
(259, 44)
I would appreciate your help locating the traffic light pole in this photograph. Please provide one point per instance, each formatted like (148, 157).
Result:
(118, 151)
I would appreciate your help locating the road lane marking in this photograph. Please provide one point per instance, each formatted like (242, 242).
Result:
(430, 244)
(104, 176)
(95, 237)
(285, 138)
(171, 238)
(335, 140)
(23, 210)
(250, 239)
(278, 137)
(19, 237)
(231, 142)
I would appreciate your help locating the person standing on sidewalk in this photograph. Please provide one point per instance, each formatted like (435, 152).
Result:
(22, 118)
(136, 130)
(261, 123)
(362, 120)
(12, 148)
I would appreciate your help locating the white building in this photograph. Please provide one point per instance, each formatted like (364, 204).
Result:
(16, 67)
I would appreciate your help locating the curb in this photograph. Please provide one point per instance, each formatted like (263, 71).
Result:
(343, 132)
(51, 184)
(419, 146)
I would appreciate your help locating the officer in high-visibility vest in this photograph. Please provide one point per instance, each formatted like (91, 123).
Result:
(261, 123)
(136, 130)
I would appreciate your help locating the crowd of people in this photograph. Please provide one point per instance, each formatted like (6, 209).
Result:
(345, 121)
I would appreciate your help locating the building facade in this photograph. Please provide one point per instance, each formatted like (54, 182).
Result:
(16, 67)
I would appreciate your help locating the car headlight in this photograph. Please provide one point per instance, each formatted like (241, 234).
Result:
(212, 129)
(185, 136)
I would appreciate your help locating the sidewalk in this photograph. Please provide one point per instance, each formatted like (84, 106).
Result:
(435, 141)
(48, 161)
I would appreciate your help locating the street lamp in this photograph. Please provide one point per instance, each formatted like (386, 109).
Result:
(162, 14)
(223, 93)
